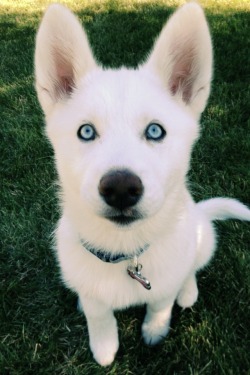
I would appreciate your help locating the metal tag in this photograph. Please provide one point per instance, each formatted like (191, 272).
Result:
(134, 271)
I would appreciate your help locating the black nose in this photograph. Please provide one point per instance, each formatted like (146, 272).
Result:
(120, 188)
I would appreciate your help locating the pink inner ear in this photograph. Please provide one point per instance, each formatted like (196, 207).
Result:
(64, 75)
(182, 76)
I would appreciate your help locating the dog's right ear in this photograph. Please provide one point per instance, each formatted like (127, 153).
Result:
(182, 57)
(62, 56)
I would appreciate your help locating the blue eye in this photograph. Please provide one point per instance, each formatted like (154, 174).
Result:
(155, 132)
(87, 132)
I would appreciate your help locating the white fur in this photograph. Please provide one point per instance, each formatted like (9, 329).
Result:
(171, 88)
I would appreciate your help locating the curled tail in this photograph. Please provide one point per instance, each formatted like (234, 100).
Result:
(224, 208)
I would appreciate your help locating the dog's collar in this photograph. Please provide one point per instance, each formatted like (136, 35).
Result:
(109, 257)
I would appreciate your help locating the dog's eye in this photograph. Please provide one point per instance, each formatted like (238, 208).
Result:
(87, 132)
(155, 132)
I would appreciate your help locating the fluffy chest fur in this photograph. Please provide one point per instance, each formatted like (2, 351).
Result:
(166, 263)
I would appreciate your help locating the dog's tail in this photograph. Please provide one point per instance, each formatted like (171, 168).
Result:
(224, 208)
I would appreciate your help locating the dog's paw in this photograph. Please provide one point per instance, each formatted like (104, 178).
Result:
(104, 355)
(188, 296)
(153, 332)
(104, 346)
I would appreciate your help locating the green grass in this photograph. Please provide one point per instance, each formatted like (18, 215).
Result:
(41, 330)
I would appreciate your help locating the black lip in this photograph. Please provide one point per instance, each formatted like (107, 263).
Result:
(122, 219)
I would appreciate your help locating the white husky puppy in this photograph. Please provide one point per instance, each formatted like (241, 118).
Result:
(130, 233)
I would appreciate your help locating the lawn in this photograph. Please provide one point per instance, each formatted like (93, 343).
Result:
(41, 330)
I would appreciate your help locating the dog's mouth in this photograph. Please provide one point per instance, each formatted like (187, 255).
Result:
(123, 218)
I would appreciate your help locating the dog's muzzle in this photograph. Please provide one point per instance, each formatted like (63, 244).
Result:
(121, 189)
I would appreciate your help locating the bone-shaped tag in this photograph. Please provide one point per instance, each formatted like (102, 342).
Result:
(135, 273)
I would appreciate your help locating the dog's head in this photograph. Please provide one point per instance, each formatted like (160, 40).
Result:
(122, 138)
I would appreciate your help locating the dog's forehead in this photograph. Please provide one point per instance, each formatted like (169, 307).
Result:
(123, 92)
(124, 82)
(124, 98)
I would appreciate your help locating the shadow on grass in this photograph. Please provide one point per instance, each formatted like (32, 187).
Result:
(125, 37)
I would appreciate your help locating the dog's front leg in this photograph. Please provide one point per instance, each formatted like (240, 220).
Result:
(157, 320)
(102, 328)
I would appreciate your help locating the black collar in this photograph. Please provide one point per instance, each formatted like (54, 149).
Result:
(109, 257)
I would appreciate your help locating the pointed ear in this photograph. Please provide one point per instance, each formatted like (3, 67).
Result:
(62, 56)
(182, 56)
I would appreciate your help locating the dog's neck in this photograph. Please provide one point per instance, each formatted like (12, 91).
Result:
(110, 257)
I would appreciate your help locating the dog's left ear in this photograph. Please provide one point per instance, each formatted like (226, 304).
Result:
(182, 56)
(62, 57)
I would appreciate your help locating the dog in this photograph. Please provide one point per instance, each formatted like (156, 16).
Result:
(130, 232)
